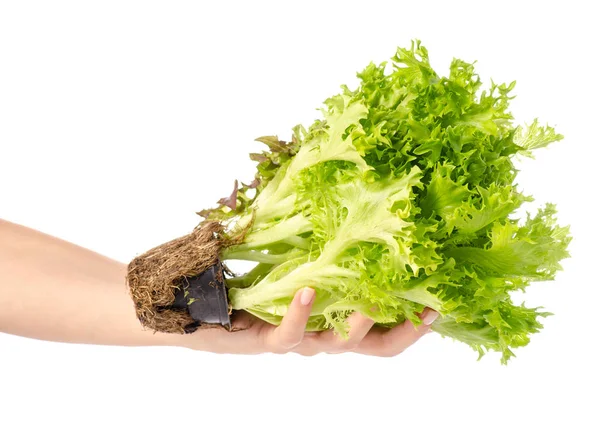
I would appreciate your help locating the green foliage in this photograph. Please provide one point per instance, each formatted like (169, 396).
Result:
(401, 197)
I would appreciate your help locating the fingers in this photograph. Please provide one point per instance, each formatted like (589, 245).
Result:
(359, 325)
(291, 330)
(392, 342)
(362, 338)
(330, 342)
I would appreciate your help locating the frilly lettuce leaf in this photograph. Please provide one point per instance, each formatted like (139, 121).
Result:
(401, 196)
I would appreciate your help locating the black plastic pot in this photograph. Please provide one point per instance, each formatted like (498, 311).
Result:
(205, 298)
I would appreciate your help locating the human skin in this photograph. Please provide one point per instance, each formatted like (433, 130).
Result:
(57, 291)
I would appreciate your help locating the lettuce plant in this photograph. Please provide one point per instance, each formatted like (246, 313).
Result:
(401, 196)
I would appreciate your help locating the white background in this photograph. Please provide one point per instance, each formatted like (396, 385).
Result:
(120, 119)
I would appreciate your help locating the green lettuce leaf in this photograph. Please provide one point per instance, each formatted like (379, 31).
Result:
(402, 196)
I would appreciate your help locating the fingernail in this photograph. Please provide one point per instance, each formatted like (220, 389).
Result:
(430, 317)
(307, 296)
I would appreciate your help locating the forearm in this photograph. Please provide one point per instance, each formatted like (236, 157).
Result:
(53, 290)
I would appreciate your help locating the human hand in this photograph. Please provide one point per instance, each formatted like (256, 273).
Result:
(255, 336)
